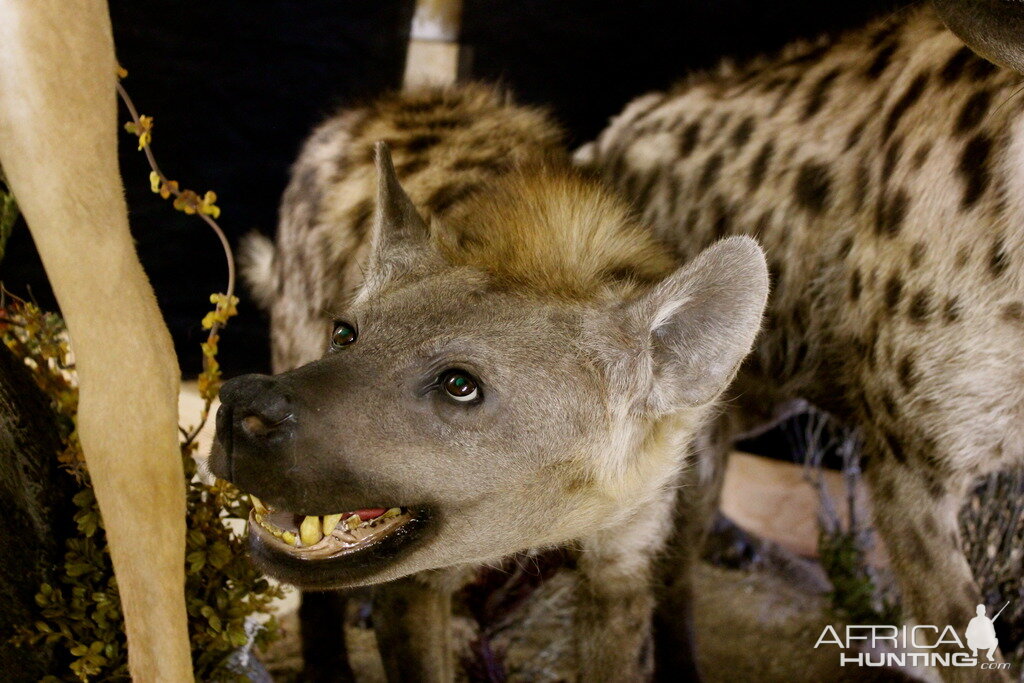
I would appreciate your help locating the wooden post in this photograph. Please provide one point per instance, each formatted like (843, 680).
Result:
(58, 146)
(433, 57)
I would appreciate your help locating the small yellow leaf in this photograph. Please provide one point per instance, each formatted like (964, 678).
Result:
(168, 188)
(207, 206)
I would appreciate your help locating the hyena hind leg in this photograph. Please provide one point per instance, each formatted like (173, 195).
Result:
(915, 507)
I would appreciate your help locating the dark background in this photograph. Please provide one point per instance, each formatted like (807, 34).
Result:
(235, 86)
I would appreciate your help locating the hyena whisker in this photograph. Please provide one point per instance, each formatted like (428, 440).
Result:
(1007, 99)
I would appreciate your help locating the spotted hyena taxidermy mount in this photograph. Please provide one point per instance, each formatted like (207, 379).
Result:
(883, 171)
(525, 369)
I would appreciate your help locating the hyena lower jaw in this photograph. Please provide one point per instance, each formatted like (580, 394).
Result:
(523, 369)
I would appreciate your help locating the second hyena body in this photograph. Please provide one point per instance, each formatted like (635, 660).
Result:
(884, 174)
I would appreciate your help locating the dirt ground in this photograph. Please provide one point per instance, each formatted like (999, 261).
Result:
(751, 625)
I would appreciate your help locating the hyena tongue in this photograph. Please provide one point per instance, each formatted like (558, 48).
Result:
(367, 514)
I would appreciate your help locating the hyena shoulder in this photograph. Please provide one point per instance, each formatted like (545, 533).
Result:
(445, 143)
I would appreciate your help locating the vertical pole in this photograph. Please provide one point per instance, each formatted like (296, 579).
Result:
(433, 57)
(58, 146)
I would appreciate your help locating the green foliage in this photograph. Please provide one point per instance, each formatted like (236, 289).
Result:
(853, 587)
(8, 212)
(81, 613)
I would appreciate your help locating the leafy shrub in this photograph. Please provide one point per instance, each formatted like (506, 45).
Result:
(81, 613)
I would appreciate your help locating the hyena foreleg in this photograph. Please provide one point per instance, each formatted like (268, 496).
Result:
(412, 619)
(322, 625)
(615, 605)
(696, 501)
(915, 508)
(635, 603)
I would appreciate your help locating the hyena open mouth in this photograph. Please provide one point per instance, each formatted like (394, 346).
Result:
(328, 536)
(329, 551)
(320, 527)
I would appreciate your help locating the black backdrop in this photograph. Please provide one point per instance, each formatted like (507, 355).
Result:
(234, 87)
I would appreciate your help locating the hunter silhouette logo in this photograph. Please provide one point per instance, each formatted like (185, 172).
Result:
(981, 633)
(918, 645)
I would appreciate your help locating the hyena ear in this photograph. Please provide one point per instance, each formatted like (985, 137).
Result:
(699, 324)
(992, 28)
(397, 227)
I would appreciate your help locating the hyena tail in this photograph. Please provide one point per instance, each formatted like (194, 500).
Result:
(256, 258)
(434, 58)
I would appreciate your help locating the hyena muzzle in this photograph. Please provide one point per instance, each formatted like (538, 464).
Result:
(525, 368)
(884, 174)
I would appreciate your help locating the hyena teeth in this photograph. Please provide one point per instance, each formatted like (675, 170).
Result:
(309, 531)
(330, 523)
(258, 505)
(345, 527)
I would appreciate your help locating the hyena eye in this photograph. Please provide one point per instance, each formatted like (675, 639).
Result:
(343, 335)
(460, 385)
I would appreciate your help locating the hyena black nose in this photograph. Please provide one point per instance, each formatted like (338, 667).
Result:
(253, 407)
(256, 428)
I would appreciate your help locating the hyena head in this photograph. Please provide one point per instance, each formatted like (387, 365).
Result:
(523, 375)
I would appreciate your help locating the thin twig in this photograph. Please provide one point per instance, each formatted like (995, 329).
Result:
(190, 436)
(228, 255)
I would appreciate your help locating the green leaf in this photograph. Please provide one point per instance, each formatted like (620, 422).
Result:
(196, 560)
(78, 569)
(8, 213)
(219, 555)
(237, 636)
(215, 622)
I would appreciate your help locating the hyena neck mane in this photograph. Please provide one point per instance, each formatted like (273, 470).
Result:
(551, 232)
(514, 207)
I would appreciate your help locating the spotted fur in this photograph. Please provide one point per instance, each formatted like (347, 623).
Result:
(884, 174)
